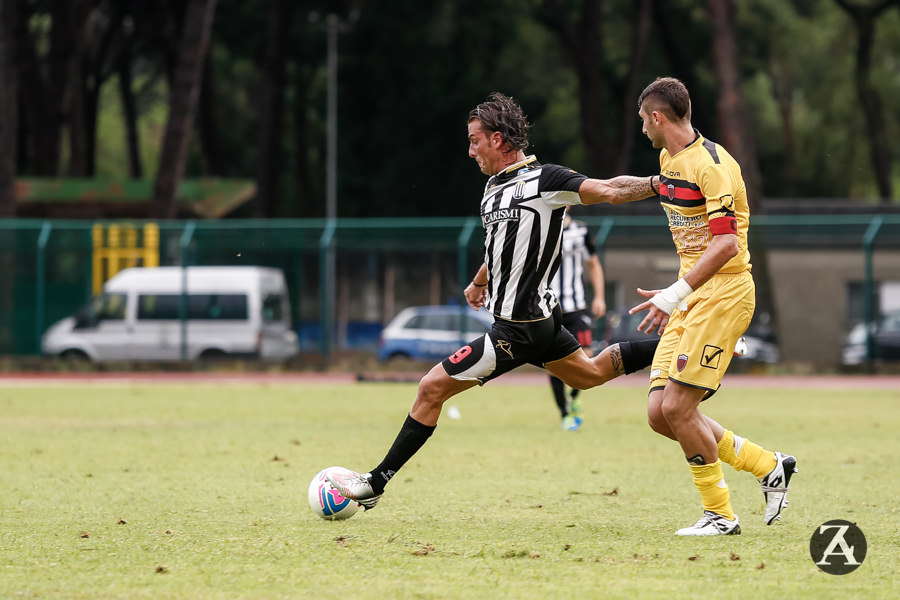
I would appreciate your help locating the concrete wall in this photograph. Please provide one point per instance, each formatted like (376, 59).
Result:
(810, 292)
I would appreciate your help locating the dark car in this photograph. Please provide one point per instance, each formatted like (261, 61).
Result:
(885, 341)
(622, 327)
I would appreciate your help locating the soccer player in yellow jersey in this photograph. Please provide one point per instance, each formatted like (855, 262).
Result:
(702, 315)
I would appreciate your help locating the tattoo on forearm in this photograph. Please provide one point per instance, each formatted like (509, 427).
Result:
(615, 357)
(630, 188)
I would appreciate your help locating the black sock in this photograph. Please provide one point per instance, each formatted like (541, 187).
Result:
(412, 436)
(637, 354)
(559, 394)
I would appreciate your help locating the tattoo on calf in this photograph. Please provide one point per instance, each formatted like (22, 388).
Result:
(615, 357)
(697, 459)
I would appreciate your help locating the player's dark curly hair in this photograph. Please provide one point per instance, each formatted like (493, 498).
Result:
(669, 96)
(502, 113)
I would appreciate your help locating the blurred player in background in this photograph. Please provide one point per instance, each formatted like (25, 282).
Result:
(702, 315)
(576, 255)
(522, 213)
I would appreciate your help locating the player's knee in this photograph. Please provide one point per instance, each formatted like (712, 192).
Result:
(432, 389)
(673, 411)
(657, 421)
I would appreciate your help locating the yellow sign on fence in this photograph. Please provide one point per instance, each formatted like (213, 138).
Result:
(117, 247)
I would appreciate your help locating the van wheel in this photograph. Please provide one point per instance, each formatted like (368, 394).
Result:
(75, 357)
(213, 354)
(399, 357)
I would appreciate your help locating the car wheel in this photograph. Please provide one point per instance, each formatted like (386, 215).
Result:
(398, 357)
(213, 354)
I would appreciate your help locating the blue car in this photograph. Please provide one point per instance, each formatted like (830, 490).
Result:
(431, 333)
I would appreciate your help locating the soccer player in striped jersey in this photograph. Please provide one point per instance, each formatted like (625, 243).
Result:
(522, 212)
(576, 256)
(702, 315)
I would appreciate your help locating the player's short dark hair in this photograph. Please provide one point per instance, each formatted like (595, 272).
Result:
(501, 113)
(669, 96)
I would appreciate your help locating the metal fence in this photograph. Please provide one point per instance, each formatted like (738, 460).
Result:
(352, 275)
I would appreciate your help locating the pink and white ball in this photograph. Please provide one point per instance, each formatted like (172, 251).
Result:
(326, 501)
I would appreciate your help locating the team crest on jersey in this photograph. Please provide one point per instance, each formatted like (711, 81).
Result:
(519, 190)
(682, 362)
(670, 191)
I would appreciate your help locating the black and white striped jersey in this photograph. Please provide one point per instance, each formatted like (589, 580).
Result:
(576, 248)
(522, 213)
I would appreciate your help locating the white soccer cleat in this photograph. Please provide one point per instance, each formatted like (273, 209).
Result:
(571, 423)
(775, 486)
(712, 524)
(355, 486)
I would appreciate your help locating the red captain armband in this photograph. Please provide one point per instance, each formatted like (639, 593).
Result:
(723, 225)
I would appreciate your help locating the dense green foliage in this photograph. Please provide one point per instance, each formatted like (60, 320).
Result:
(199, 491)
(409, 71)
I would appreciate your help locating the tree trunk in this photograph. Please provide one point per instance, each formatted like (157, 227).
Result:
(307, 193)
(864, 20)
(271, 111)
(208, 126)
(106, 39)
(582, 39)
(39, 99)
(9, 104)
(681, 63)
(129, 114)
(782, 86)
(182, 107)
(639, 33)
(8, 145)
(74, 102)
(737, 137)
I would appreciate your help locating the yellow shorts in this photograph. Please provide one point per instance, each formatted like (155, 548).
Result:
(698, 344)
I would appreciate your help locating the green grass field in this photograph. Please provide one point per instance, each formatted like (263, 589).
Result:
(199, 491)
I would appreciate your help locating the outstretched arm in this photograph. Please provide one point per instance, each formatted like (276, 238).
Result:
(618, 190)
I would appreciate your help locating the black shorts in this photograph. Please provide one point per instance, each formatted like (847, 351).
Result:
(509, 345)
(580, 323)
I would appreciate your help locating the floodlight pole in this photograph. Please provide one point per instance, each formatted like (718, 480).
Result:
(329, 276)
(333, 25)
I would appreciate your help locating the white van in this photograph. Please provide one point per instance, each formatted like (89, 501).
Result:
(231, 311)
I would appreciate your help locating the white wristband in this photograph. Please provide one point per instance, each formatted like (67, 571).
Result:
(673, 297)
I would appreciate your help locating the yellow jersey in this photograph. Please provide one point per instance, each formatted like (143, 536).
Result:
(703, 194)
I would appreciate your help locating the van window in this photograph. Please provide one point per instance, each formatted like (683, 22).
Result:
(105, 307)
(271, 308)
(203, 307)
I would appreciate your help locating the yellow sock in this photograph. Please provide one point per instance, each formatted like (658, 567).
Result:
(713, 490)
(726, 449)
(744, 455)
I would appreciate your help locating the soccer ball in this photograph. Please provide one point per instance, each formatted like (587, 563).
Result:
(326, 501)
